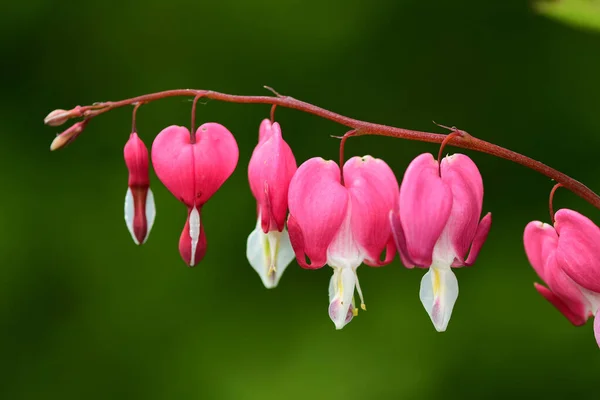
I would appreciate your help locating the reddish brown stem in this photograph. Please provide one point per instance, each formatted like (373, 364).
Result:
(134, 116)
(364, 128)
(193, 123)
(551, 201)
(443, 145)
(342, 146)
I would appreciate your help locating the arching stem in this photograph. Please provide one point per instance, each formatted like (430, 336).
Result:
(363, 128)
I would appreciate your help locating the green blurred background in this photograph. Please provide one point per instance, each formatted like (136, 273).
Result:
(85, 314)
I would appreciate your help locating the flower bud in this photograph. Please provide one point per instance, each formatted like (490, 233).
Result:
(140, 210)
(59, 117)
(68, 135)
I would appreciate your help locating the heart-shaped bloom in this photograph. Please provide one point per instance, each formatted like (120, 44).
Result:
(193, 170)
(270, 171)
(436, 225)
(342, 224)
(567, 258)
(139, 200)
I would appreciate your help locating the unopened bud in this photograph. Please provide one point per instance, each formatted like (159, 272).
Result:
(140, 210)
(68, 136)
(59, 117)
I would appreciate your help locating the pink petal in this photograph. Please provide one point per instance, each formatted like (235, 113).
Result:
(318, 204)
(400, 239)
(578, 252)
(576, 319)
(480, 236)
(297, 241)
(136, 159)
(425, 204)
(373, 190)
(194, 172)
(270, 171)
(540, 242)
(390, 254)
(265, 130)
(564, 287)
(192, 242)
(460, 173)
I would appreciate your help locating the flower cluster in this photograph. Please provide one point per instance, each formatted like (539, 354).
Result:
(353, 213)
(320, 214)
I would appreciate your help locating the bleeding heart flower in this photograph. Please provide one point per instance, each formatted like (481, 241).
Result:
(436, 225)
(139, 200)
(193, 170)
(342, 224)
(567, 258)
(270, 170)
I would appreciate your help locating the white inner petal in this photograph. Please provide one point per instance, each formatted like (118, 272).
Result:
(269, 254)
(129, 214)
(284, 255)
(344, 255)
(194, 232)
(593, 299)
(439, 291)
(343, 251)
(341, 296)
(443, 252)
(150, 212)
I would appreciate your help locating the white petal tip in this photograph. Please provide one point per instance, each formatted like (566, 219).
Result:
(269, 254)
(439, 291)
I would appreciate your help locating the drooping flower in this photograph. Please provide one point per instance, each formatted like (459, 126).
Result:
(139, 200)
(436, 225)
(567, 258)
(270, 171)
(342, 224)
(193, 170)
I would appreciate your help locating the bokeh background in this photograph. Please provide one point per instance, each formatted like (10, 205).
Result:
(85, 314)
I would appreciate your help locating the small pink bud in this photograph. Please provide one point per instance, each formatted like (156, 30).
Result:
(66, 137)
(59, 117)
(140, 210)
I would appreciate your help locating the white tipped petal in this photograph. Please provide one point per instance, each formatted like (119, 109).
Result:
(284, 254)
(129, 214)
(439, 291)
(150, 212)
(194, 232)
(341, 306)
(269, 254)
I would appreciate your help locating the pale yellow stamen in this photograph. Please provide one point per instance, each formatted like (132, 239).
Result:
(363, 306)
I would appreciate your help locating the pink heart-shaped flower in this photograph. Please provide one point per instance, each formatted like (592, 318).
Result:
(193, 172)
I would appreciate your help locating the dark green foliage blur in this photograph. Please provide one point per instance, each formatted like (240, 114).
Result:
(85, 314)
